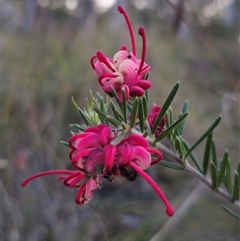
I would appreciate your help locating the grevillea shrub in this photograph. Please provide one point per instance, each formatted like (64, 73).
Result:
(122, 137)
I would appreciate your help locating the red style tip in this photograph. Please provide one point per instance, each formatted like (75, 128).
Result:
(169, 211)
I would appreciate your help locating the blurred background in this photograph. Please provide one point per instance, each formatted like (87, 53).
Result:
(46, 48)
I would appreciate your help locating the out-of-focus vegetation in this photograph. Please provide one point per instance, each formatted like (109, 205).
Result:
(46, 51)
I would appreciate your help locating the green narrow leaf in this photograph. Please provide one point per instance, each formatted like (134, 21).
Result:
(79, 127)
(147, 96)
(65, 143)
(74, 103)
(118, 139)
(230, 211)
(222, 168)
(167, 119)
(130, 107)
(236, 187)
(113, 120)
(101, 114)
(116, 114)
(213, 171)
(145, 107)
(165, 106)
(204, 135)
(84, 117)
(116, 98)
(228, 182)
(141, 116)
(134, 112)
(238, 168)
(206, 155)
(184, 110)
(146, 76)
(103, 109)
(170, 115)
(113, 108)
(102, 106)
(193, 157)
(214, 154)
(170, 165)
(124, 106)
(180, 145)
(170, 128)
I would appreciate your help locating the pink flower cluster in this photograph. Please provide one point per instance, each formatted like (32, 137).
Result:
(125, 72)
(97, 153)
(152, 117)
(95, 156)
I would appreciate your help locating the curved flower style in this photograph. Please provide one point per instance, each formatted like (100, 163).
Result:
(72, 179)
(124, 72)
(152, 117)
(133, 152)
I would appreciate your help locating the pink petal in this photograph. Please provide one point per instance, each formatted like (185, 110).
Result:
(89, 141)
(136, 91)
(80, 195)
(109, 153)
(144, 84)
(95, 158)
(129, 71)
(145, 69)
(105, 136)
(136, 140)
(77, 158)
(91, 185)
(122, 55)
(75, 137)
(124, 151)
(75, 180)
(107, 83)
(141, 157)
(96, 129)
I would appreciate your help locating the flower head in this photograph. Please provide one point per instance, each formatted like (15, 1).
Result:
(124, 72)
(92, 148)
(91, 155)
(152, 117)
(94, 156)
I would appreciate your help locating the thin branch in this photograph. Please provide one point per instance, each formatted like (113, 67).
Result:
(188, 168)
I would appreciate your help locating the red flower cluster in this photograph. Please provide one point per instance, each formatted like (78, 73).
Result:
(97, 152)
(125, 72)
(94, 156)
(152, 117)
